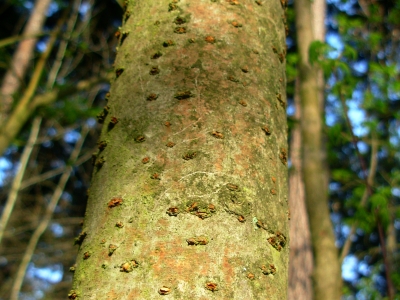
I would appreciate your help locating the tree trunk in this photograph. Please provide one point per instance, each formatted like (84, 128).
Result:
(301, 257)
(189, 192)
(21, 59)
(327, 272)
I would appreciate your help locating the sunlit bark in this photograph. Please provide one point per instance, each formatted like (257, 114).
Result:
(189, 193)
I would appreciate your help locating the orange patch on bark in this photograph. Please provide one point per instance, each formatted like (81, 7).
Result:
(229, 273)
(177, 185)
(163, 222)
(218, 165)
(184, 108)
(219, 158)
(260, 141)
(163, 225)
(112, 295)
(246, 153)
(210, 19)
(134, 294)
(240, 173)
(132, 235)
(147, 188)
(190, 56)
(161, 158)
(240, 128)
(177, 261)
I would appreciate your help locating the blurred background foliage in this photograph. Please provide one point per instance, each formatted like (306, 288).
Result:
(360, 59)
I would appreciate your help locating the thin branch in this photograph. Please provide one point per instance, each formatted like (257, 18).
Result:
(12, 197)
(22, 113)
(55, 172)
(390, 287)
(21, 109)
(72, 221)
(363, 202)
(70, 63)
(382, 243)
(22, 57)
(33, 83)
(17, 38)
(354, 139)
(46, 218)
(63, 45)
(60, 132)
(35, 127)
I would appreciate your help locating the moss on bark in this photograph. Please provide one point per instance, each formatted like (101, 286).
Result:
(218, 174)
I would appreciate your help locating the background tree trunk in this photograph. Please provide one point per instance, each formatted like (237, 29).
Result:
(189, 195)
(327, 271)
(22, 56)
(300, 257)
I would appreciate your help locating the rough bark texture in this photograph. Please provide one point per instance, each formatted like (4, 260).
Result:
(327, 272)
(195, 127)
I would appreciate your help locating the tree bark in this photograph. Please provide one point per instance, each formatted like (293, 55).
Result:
(327, 271)
(301, 257)
(189, 192)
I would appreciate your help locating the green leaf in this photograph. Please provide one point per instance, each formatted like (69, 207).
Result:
(291, 66)
(368, 100)
(327, 66)
(394, 16)
(335, 133)
(350, 52)
(69, 111)
(375, 39)
(343, 67)
(365, 219)
(371, 124)
(395, 87)
(378, 200)
(342, 175)
(317, 51)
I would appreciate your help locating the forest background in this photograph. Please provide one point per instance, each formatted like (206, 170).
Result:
(55, 62)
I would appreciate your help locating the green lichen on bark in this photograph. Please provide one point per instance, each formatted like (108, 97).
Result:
(193, 224)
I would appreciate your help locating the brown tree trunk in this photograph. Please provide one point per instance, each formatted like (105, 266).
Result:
(300, 257)
(189, 195)
(327, 271)
(22, 57)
